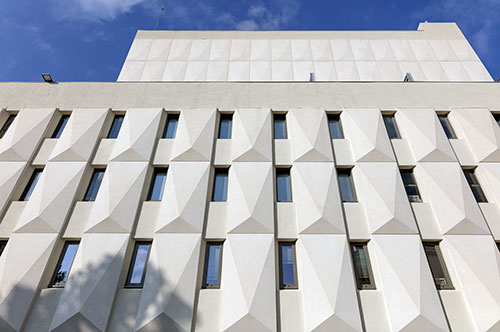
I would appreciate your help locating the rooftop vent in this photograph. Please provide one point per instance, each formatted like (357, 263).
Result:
(409, 78)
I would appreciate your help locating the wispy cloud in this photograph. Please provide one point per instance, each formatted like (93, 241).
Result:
(477, 17)
(277, 15)
(92, 10)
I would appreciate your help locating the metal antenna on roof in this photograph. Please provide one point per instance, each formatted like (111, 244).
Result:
(158, 21)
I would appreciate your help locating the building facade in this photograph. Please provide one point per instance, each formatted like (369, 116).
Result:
(256, 181)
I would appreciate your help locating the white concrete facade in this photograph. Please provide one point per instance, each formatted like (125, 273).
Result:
(251, 222)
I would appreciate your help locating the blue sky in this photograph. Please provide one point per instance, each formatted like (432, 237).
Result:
(88, 40)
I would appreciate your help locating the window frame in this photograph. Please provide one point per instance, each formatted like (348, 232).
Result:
(448, 129)
(409, 171)
(332, 117)
(284, 286)
(153, 181)
(128, 284)
(171, 116)
(7, 124)
(359, 285)
(283, 116)
(229, 118)
(220, 170)
(475, 187)
(52, 283)
(442, 264)
(288, 171)
(347, 171)
(61, 125)
(392, 119)
(30, 186)
(204, 284)
(115, 117)
(97, 169)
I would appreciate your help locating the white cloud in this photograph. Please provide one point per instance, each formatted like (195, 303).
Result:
(247, 25)
(478, 18)
(92, 10)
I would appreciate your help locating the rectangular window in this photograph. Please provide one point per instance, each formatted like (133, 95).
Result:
(95, 183)
(158, 184)
(346, 185)
(7, 124)
(3, 244)
(64, 265)
(475, 186)
(225, 125)
(437, 265)
(213, 259)
(31, 184)
(335, 126)
(220, 185)
(391, 126)
(283, 185)
(116, 125)
(410, 185)
(60, 126)
(171, 126)
(362, 267)
(445, 123)
(280, 126)
(288, 268)
(137, 270)
(497, 117)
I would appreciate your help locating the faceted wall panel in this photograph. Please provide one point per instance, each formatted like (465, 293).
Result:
(328, 290)
(9, 175)
(316, 193)
(92, 284)
(381, 191)
(117, 199)
(406, 281)
(167, 297)
(367, 134)
(194, 135)
(183, 205)
(454, 206)
(24, 134)
(309, 135)
(80, 135)
(248, 284)
(425, 135)
(251, 135)
(250, 198)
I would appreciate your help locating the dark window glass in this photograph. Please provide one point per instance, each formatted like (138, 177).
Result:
(362, 268)
(280, 126)
(171, 126)
(137, 270)
(2, 246)
(60, 126)
(391, 126)
(445, 123)
(31, 184)
(225, 126)
(95, 183)
(115, 126)
(213, 258)
(475, 186)
(7, 124)
(158, 184)
(288, 271)
(220, 185)
(346, 185)
(410, 185)
(283, 187)
(437, 265)
(497, 118)
(64, 265)
(335, 126)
